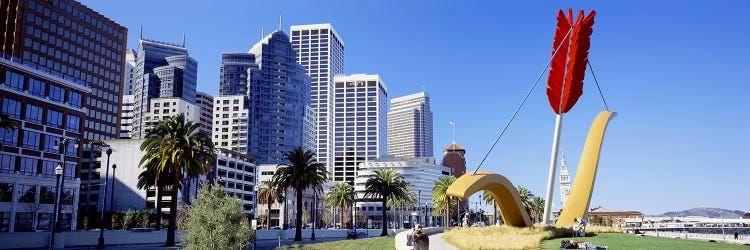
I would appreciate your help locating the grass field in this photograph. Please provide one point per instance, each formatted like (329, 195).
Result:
(630, 241)
(375, 243)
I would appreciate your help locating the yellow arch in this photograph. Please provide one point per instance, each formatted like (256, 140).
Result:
(580, 195)
(505, 194)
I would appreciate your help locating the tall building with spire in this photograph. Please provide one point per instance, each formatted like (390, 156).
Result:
(564, 182)
(410, 126)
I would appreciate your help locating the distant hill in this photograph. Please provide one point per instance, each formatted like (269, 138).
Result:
(705, 212)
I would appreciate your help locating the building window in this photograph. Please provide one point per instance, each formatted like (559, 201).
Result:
(36, 87)
(31, 140)
(56, 93)
(24, 222)
(9, 137)
(12, 108)
(44, 222)
(27, 193)
(14, 80)
(34, 113)
(54, 119)
(29, 166)
(6, 192)
(7, 163)
(67, 197)
(74, 123)
(46, 195)
(4, 221)
(48, 168)
(75, 99)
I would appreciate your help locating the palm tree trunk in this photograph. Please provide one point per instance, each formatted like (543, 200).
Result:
(401, 217)
(159, 195)
(298, 231)
(268, 222)
(173, 213)
(495, 216)
(385, 229)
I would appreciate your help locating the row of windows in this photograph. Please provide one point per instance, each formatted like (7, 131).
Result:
(34, 114)
(83, 16)
(27, 194)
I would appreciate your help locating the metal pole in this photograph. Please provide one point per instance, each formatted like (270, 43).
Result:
(64, 146)
(458, 213)
(112, 200)
(552, 170)
(54, 215)
(354, 207)
(100, 243)
(286, 201)
(419, 205)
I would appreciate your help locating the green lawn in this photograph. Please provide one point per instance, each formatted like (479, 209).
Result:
(630, 241)
(375, 243)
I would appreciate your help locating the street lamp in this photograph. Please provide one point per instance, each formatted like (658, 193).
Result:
(354, 207)
(426, 223)
(58, 173)
(62, 146)
(100, 243)
(419, 204)
(723, 236)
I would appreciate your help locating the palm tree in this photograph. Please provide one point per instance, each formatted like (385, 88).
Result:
(409, 200)
(537, 208)
(147, 180)
(490, 200)
(8, 124)
(526, 197)
(443, 203)
(340, 195)
(268, 194)
(175, 148)
(386, 184)
(303, 173)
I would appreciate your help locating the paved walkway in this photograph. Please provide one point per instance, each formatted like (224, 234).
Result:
(437, 243)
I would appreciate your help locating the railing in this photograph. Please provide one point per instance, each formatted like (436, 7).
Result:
(45, 70)
(684, 235)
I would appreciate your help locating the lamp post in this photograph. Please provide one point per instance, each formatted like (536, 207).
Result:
(426, 222)
(419, 204)
(62, 145)
(100, 243)
(458, 213)
(723, 236)
(354, 207)
(58, 172)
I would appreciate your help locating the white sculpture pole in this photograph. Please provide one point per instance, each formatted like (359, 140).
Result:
(552, 169)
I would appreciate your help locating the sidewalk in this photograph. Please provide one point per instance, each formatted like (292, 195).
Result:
(437, 243)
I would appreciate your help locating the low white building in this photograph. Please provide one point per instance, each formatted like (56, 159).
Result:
(420, 174)
(230, 118)
(237, 173)
(277, 215)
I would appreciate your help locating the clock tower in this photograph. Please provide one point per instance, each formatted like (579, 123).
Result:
(564, 182)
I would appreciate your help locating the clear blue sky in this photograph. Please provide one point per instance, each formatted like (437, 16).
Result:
(677, 73)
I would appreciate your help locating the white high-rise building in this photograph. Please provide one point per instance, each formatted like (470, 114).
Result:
(129, 83)
(164, 108)
(564, 183)
(126, 116)
(410, 126)
(360, 122)
(321, 51)
(230, 119)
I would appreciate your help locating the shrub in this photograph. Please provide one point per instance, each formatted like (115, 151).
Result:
(503, 237)
(216, 221)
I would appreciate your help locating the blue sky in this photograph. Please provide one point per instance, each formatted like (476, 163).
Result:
(677, 73)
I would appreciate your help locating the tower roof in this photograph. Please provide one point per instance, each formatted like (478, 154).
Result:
(454, 147)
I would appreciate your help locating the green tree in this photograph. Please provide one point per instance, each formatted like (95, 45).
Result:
(8, 124)
(340, 196)
(537, 208)
(268, 194)
(444, 204)
(303, 173)
(216, 221)
(386, 184)
(407, 201)
(175, 148)
(148, 179)
(526, 196)
(489, 199)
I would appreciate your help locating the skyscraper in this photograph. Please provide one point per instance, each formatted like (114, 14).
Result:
(70, 60)
(129, 82)
(321, 51)
(360, 111)
(277, 91)
(230, 123)
(126, 116)
(410, 126)
(163, 70)
(206, 104)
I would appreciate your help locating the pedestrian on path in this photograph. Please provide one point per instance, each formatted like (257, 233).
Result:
(421, 241)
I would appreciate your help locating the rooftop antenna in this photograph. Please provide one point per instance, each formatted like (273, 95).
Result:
(453, 127)
(183, 40)
(141, 32)
(280, 22)
(423, 89)
(262, 33)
